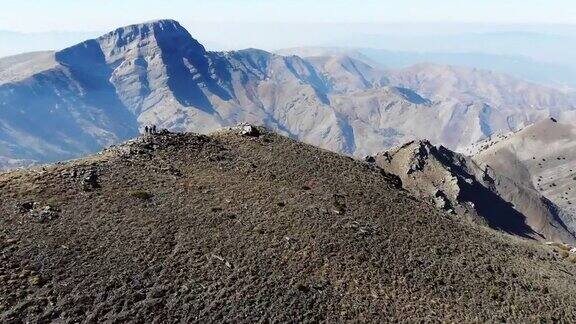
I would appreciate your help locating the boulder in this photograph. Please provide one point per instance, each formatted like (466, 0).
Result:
(90, 182)
(44, 214)
(370, 159)
(249, 130)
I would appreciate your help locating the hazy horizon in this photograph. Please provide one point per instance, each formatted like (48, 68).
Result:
(274, 36)
(536, 32)
(105, 14)
(233, 24)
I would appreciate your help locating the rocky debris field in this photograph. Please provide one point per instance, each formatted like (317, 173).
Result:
(244, 226)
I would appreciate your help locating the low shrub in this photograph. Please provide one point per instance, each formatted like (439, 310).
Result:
(140, 194)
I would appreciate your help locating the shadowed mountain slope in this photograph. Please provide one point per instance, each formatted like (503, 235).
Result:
(541, 156)
(458, 185)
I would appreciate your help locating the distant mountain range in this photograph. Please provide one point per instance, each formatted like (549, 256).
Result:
(538, 44)
(14, 43)
(561, 76)
(65, 104)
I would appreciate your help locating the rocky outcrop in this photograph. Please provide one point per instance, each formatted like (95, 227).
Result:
(456, 184)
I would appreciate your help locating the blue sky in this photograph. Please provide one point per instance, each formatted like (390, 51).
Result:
(84, 15)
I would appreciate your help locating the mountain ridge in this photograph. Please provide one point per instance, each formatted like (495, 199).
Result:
(481, 192)
(182, 227)
(103, 91)
(521, 67)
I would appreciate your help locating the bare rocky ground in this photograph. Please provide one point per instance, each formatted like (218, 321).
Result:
(188, 228)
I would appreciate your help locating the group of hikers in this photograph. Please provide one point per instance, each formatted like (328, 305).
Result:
(150, 130)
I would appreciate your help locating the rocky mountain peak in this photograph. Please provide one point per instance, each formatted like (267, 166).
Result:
(158, 28)
(166, 37)
(169, 35)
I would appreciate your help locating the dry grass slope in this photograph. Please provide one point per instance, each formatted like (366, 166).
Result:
(240, 229)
